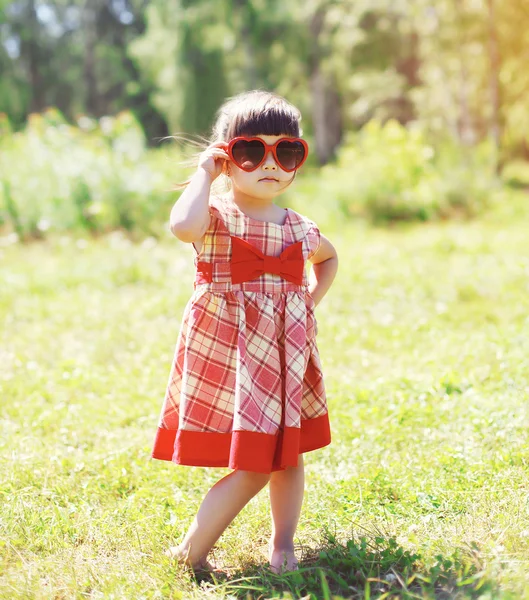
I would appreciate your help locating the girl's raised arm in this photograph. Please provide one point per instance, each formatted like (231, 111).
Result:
(190, 213)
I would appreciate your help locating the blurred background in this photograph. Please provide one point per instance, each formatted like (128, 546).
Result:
(423, 104)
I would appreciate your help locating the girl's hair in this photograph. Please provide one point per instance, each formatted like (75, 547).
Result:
(257, 112)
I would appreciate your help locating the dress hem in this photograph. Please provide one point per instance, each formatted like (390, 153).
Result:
(244, 450)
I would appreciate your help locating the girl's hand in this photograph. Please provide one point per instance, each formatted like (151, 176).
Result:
(213, 159)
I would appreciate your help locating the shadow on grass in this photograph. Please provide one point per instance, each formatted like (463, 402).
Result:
(376, 568)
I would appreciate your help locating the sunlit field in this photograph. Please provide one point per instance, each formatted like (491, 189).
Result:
(423, 492)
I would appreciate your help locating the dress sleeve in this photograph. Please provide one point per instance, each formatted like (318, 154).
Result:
(314, 239)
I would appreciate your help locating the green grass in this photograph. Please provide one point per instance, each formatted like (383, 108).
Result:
(424, 340)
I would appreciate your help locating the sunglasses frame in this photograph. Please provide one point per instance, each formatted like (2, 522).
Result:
(268, 148)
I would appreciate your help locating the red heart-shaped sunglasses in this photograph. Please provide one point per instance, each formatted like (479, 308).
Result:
(249, 153)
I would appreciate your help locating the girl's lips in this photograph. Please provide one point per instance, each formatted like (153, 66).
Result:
(268, 179)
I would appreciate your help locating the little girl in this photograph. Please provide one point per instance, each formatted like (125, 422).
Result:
(246, 387)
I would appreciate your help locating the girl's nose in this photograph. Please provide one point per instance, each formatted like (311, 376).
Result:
(270, 162)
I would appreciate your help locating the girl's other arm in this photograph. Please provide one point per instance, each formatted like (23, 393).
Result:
(324, 268)
(190, 213)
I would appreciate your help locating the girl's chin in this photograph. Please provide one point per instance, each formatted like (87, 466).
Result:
(261, 191)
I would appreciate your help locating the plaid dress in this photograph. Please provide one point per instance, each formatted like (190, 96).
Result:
(246, 387)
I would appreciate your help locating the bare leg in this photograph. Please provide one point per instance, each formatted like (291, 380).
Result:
(286, 498)
(220, 506)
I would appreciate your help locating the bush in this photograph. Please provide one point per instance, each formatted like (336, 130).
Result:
(98, 176)
(390, 173)
(516, 174)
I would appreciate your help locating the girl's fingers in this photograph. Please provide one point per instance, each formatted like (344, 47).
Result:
(216, 152)
(222, 155)
(218, 145)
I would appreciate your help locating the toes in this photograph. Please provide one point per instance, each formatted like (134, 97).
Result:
(287, 569)
(173, 552)
(286, 561)
(176, 553)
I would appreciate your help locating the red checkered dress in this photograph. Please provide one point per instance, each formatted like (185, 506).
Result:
(246, 387)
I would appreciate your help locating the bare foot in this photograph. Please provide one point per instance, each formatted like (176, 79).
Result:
(282, 559)
(202, 565)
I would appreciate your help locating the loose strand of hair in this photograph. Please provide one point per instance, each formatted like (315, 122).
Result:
(199, 142)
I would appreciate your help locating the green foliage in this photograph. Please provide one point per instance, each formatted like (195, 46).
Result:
(98, 176)
(388, 172)
(181, 54)
(516, 173)
(373, 566)
(454, 67)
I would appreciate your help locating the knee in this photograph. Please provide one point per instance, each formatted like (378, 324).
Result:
(254, 480)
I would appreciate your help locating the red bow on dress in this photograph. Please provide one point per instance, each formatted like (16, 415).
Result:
(247, 262)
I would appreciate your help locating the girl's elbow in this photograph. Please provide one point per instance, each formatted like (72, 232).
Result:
(184, 233)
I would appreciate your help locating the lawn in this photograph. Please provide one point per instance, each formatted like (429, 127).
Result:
(423, 492)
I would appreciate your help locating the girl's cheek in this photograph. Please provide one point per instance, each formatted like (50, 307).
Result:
(243, 179)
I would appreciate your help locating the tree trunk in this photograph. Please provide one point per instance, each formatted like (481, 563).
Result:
(90, 40)
(32, 44)
(250, 69)
(326, 104)
(466, 128)
(465, 125)
(494, 58)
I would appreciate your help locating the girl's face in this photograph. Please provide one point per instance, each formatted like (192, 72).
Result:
(267, 181)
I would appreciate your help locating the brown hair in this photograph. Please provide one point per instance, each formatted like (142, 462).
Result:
(257, 112)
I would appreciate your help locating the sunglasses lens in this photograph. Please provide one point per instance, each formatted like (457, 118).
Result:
(248, 154)
(290, 154)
